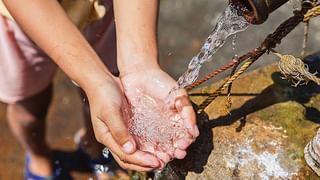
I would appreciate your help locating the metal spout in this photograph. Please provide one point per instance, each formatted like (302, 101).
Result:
(257, 11)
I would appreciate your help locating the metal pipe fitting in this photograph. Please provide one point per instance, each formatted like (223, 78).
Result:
(257, 11)
(308, 3)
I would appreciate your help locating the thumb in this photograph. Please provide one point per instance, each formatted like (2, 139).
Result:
(113, 118)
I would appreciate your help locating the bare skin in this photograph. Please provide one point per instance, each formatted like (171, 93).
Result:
(157, 84)
(26, 119)
(136, 51)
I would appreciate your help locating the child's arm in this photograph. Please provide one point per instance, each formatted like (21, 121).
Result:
(47, 24)
(136, 23)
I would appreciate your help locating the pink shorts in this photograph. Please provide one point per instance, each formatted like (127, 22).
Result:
(25, 70)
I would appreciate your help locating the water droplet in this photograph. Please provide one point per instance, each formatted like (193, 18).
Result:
(295, 4)
(105, 152)
(99, 168)
(235, 57)
(234, 42)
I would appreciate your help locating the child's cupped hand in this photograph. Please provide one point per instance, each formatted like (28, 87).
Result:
(162, 125)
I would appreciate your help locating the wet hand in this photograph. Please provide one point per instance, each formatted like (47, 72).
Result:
(106, 104)
(155, 84)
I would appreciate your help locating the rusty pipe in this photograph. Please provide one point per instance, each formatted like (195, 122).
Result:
(257, 11)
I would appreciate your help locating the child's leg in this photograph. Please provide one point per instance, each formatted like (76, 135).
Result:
(25, 78)
(27, 122)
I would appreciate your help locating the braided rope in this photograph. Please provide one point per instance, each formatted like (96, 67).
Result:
(212, 74)
(232, 63)
(214, 95)
(314, 12)
(228, 98)
(305, 38)
(268, 44)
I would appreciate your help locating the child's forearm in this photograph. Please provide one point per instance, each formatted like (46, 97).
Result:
(136, 34)
(47, 24)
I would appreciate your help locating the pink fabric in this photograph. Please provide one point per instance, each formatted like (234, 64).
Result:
(25, 70)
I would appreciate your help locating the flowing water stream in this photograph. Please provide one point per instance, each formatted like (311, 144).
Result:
(229, 23)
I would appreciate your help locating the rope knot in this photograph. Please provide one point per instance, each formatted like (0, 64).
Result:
(295, 70)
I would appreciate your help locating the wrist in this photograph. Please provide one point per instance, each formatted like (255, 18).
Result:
(137, 63)
(91, 80)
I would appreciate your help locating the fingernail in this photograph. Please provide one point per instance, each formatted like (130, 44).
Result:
(196, 130)
(128, 147)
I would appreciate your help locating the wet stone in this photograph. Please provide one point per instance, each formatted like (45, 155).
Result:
(263, 137)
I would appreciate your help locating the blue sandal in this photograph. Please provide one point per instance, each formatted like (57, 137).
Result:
(98, 165)
(58, 174)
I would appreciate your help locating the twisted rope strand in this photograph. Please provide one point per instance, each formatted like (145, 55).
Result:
(314, 12)
(214, 95)
(268, 44)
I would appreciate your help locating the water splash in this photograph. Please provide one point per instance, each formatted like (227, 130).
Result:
(234, 46)
(154, 126)
(105, 152)
(229, 23)
(101, 169)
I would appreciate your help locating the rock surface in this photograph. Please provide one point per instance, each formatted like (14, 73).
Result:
(262, 137)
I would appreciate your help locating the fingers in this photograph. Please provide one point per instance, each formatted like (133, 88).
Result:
(129, 166)
(179, 154)
(185, 109)
(183, 144)
(164, 157)
(112, 117)
(138, 159)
